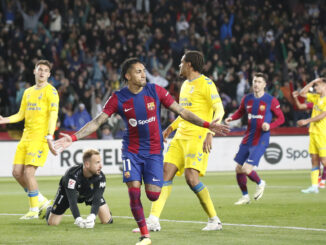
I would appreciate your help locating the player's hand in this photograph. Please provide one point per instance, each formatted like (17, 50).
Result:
(80, 222)
(3, 120)
(219, 129)
(166, 133)
(302, 122)
(228, 120)
(62, 143)
(265, 127)
(295, 94)
(89, 222)
(49, 139)
(207, 146)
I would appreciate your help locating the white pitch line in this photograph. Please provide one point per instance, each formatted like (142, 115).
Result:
(202, 222)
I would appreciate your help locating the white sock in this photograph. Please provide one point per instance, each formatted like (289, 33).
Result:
(41, 198)
(153, 217)
(34, 209)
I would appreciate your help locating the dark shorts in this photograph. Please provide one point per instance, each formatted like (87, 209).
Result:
(250, 154)
(137, 167)
(61, 203)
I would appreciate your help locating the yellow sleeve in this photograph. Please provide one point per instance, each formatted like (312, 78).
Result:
(174, 125)
(53, 107)
(52, 122)
(53, 100)
(218, 111)
(21, 113)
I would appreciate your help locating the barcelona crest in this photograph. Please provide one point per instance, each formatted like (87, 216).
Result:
(151, 106)
(127, 174)
(262, 107)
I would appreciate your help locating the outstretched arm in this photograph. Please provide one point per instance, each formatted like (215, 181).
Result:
(187, 115)
(89, 128)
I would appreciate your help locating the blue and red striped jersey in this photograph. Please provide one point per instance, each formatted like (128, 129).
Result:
(141, 115)
(259, 110)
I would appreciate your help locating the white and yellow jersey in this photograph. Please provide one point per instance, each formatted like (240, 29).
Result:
(37, 103)
(199, 96)
(318, 127)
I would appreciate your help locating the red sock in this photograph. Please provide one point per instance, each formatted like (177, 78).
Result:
(137, 210)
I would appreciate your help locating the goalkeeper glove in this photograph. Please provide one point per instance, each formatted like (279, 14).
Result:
(89, 222)
(80, 222)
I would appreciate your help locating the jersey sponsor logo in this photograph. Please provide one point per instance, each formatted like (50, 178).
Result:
(71, 184)
(262, 107)
(126, 110)
(251, 116)
(155, 180)
(151, 106)
(133, 122)
(102, 184)
(142, 122)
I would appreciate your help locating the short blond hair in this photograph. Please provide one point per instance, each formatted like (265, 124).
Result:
(44, 62)
(87, 154)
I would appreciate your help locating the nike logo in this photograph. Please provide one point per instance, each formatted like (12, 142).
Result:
(249, 106)
(128, 109)
(249, 160)
(155, 180)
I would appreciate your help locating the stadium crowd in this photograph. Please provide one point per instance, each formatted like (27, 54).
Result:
(87, 41)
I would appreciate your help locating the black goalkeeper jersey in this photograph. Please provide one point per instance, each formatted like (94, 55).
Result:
(80, 189)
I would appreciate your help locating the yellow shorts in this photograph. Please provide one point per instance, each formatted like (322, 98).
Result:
(31, 153)
(317, 145)
(187, 154)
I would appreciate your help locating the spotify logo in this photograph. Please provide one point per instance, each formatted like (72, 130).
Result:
(273, 153)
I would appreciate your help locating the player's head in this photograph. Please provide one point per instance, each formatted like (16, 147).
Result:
(258, 82)
(320, 86)
(42, 71)
(191, 61)
(133, 72)
(92, 161)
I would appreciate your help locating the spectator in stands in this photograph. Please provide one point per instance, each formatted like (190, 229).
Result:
(81, 116)
(68, 122)
(156, 78)
(31, 19)
(106, 133)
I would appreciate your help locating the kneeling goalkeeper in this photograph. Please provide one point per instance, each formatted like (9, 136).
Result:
(81, 183)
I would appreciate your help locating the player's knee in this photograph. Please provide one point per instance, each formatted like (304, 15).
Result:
(152, 196)
(192, 181)
(17, 174)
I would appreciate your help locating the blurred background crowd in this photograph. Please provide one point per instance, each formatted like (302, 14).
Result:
(87, 41)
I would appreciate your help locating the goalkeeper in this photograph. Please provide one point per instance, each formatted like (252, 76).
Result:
(81, 183)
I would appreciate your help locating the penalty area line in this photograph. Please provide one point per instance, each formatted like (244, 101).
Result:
(202, 222)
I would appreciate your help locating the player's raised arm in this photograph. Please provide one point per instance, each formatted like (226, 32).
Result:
(305, 89)
(187, 115)
(89, 128)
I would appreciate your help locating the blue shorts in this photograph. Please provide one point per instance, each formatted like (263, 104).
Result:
(137, 167)
(250, 154)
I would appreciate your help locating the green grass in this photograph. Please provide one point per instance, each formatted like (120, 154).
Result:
(283, 206)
